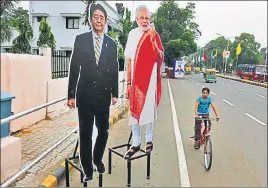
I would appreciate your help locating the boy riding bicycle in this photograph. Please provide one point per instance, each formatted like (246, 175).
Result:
(202, 109)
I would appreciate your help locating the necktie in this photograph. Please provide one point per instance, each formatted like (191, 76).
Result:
(97, 49)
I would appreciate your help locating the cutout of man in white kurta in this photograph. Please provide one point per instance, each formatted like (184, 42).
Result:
(149, 111)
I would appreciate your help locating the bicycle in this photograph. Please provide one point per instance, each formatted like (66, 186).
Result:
(206, 141)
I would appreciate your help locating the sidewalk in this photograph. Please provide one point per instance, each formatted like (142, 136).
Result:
(164, 159)
(42, 136)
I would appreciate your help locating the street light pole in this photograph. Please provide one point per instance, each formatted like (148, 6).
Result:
(265, 68)
(228, 38)
(226, 57)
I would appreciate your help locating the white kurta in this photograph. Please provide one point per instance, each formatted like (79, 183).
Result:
(148, 114)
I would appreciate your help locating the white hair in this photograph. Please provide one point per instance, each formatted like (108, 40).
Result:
(142, 7)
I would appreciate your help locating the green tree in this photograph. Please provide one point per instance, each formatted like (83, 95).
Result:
(218, 45)
(7, 6)
(21, 44)
(113, 34)
(176, 28)
(46, 37)
(250, 53)
(127, 26)
(6, 10)
(86, 13)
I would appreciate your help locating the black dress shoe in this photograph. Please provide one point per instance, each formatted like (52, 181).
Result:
(87, 179)
(100, 167)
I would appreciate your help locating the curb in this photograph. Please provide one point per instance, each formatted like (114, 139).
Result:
(245, 81)
(58, 174)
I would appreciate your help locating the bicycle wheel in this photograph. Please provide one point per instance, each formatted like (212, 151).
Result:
(208, 153)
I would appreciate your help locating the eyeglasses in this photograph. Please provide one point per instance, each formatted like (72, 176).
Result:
(97, 17)
(142, 18)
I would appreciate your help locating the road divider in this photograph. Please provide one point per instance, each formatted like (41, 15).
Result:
(255, 119)
(244, 81)
(228, 102)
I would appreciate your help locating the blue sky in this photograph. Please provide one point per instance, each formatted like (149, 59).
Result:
(229, 18)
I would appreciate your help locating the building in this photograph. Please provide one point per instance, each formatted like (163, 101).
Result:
(66, 21)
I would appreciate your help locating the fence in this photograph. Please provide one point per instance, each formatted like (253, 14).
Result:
(59, 64)
(21, 114)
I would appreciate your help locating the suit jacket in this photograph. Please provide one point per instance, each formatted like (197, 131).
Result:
(89, 82)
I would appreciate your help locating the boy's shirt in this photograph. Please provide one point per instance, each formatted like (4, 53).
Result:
(203, 107)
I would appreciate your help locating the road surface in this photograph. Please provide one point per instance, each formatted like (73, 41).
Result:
(239, 139)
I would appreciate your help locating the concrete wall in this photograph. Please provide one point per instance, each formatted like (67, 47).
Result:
(57, 88)
(28, 78)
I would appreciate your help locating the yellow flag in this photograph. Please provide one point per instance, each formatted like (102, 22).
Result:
(216, 53)
(238, 49)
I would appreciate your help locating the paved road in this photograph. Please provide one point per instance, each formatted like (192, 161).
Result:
(239, 140)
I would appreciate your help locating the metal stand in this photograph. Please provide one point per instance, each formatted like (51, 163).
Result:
(112, 150)
(70, 161)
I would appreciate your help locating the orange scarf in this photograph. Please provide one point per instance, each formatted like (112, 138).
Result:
(145, 58)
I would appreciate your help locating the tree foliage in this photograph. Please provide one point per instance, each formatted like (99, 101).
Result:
(7, 6)
(20, 21)
(6, 10)
(127, 26)
(218, 45)
(86, 13)
(46, 37)
(176, 28)
(249, 55)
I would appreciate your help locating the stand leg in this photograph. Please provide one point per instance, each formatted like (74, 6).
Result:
(67, 174)
(129, 173)
(85, 184)
(110, 162)
(130, 136)
(100, 180)
(81, 177)
(75, 149)
(148, 166)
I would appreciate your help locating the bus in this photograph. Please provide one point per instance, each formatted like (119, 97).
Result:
(252, 72)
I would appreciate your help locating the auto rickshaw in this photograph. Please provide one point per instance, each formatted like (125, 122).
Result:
(188, 70)
(197, 70)
(210, 75)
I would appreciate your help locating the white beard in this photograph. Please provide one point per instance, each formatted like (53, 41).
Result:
(142, 28)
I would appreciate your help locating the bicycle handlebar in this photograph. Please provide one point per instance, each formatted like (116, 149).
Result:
(207, 119)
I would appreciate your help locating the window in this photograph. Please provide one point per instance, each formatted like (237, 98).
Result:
(72, 23)
(5, 50)
(36, 51)
(39, 18)
(68, 53)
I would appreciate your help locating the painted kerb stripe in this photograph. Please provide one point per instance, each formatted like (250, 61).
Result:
(245, 81)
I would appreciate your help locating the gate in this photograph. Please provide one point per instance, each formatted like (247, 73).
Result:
(60, 64)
